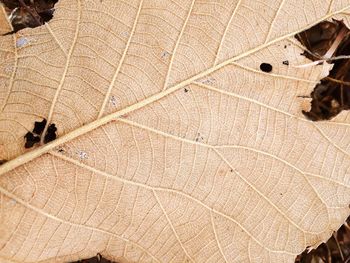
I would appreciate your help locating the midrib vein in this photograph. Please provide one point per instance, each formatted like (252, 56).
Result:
(20, 160)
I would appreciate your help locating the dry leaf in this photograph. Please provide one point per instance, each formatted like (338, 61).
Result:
(330, 42)
(28, 13)
(172, 145)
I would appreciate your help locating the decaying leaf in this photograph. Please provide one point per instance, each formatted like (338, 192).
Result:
(172, 144)
(319, 39)
(336, 249)
(28, 13)
(329, 40)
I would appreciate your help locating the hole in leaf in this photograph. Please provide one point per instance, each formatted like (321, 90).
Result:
(28, 13)
(50, 134)
(31, 139)
(329, 42)
(39, 126)
(97, 259)
(266, 67)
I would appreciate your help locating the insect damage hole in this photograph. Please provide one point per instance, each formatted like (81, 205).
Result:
(39, 126)
(266, 67)
(328, 42)
(28, 13)
(31, 139)
(34, 137)
(50, 133)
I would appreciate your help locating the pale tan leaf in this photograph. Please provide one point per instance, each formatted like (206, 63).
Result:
(173, 146)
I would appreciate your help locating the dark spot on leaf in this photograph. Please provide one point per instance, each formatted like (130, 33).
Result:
(28, 13)
(3, 161)
(52, 128)
(50, 134)
(286, 62)
(34, 137)
(185, 89)
(266, 67)
(97, 259)
(39, 126)
(285, 46)
(332, 94)
(60, 150)
(31, 139)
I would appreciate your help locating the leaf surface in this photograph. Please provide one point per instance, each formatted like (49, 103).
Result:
(172, 145)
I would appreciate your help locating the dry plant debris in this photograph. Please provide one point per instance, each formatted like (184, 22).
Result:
(175, 142)
(329, 42)
(28, 13)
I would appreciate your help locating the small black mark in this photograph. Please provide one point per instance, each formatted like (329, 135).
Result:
(231, 170)
(39, 126)
(286, 62)
(51, 133)
(185, 90)
(3, 161)
(60, 150)
(31, 139)
(199, 137)
(266, 67)
(285, 46)
(96, 259)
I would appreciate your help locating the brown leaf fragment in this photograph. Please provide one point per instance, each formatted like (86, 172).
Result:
(319, 38)
(97, 259)
(28, 13)
(335, 250)
(332, 94)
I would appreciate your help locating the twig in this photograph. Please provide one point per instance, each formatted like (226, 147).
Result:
(339, 248)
